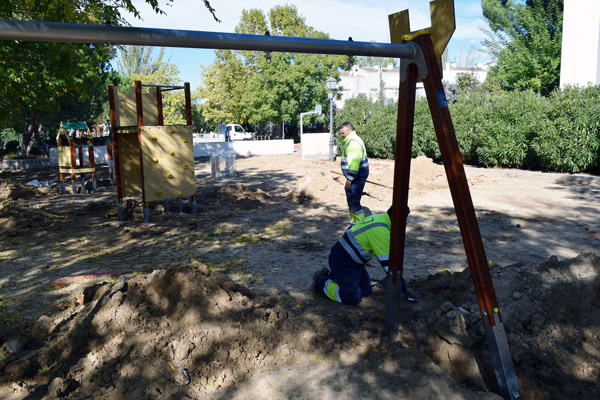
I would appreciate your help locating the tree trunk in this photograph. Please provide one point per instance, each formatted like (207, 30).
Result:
(30, 134)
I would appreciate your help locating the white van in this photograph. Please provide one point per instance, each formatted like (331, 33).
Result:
(237, 132)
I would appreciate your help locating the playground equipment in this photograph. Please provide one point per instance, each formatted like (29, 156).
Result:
(67, 158)
(420, 59)
(150, 158)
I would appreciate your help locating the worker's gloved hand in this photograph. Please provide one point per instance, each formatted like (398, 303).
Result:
(348, 184)
(409, 295)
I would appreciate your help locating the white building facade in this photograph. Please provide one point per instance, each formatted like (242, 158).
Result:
(580, 60)
(370, 80)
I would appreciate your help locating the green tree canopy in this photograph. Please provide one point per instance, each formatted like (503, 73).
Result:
(255, 87)
(43, 80)
(526, 38)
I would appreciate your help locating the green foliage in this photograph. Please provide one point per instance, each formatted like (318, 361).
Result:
(495, 129)
(375, 123)
(373, 61)
(255, 87)
(526, 38)
(43, 81)
(572, 142)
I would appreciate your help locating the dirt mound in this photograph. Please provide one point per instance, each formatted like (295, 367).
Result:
(242, 197)
(21, 220)
(186, 331)
(551, 315)
(316, 185)
(16, 191)
(151, 336)
(425, 175)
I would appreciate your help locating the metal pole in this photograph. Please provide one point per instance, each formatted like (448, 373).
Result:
(331, 141)
(83, 33)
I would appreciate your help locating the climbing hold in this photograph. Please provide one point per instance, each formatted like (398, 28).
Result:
(172, 130)
(185, 166)
(154, 137)
(170, 176)
(154, 159)
(180, 194)
(159, 193)
(185, 140)
(172, 153)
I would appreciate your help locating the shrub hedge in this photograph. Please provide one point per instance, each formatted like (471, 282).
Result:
(525, 130)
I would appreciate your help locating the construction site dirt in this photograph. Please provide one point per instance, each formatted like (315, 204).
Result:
(218, 304)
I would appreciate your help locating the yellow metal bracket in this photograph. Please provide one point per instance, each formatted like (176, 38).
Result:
(443, 24)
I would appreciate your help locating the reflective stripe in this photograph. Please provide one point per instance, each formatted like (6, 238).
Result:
(332, 290)
(359, 161)
(355, 244)
(383, 257)
(366, 228)
(351, 251)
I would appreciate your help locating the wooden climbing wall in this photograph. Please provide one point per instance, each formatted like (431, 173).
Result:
(168, 162)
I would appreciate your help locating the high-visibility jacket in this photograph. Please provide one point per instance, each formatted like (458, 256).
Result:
(367, 238)
(354, 158)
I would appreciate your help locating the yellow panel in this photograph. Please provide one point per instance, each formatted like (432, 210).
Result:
(399, 25)
(168, 162)
(149, 107)
(129, 162)
(442, 24)
(64, 156)
(125, 107)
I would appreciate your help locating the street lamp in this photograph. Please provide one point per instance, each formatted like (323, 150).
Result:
(331, 85)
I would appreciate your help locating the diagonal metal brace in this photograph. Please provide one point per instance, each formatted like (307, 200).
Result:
(501, 358)
(418, 59)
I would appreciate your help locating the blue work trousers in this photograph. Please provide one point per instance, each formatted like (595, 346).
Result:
(355, 193)
(352, 278)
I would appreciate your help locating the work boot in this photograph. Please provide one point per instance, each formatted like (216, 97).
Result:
(324, 272)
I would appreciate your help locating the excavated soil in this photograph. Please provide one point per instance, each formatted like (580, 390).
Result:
(97, 308)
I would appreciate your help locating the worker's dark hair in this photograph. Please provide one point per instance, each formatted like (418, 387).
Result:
(347, 125)
(389, 211)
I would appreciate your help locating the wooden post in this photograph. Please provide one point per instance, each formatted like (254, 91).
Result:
(188, 104)
(159, 106)
(457, 181)
(140, 123)
(404, 138)
(469, 228)
(115, 142)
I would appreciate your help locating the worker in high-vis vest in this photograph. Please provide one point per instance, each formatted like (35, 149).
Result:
(348, 280)
(355, 167)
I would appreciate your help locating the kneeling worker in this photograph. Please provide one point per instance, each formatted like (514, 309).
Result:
(348, 281)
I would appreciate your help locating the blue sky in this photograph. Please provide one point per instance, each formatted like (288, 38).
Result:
(363, 20)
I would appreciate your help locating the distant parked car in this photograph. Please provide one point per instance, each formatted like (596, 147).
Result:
(237, 132)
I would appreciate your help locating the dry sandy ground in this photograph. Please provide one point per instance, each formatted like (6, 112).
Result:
(267, 231)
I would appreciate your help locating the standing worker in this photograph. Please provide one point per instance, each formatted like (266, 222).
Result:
(355, 168)
(348, 281)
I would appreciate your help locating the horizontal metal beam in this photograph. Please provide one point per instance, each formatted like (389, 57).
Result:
(80, 33)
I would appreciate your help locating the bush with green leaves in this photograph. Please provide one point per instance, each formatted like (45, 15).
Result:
(374, 122)
(519, 129)
(571, 143)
